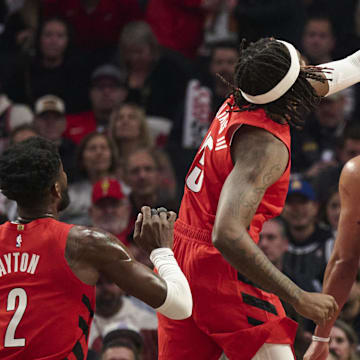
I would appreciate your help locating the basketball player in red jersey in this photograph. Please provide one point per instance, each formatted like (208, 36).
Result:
(48, 269)
(238, 180)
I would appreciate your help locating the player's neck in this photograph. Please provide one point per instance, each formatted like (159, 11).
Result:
(27, 215)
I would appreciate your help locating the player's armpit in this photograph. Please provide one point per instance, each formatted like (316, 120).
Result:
(90, 251)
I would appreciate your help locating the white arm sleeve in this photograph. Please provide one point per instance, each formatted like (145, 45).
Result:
(345, 73)
(178, 303)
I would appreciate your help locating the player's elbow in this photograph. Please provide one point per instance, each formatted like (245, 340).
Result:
(222, 238)
(181, 307)
(185, 309)
(178, 304)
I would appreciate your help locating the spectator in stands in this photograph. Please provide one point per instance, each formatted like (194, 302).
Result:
(318, 40)
(282, 19)
(107, 90)
(223, 58)
(155, 80)
(314, 147)
(348, 147)
(203, 97)
(21, 133)
(343, 341)
(148, 181)
(97, 23)
(119, 349)
(180, 26)
(135, 338)
(115, 310)
(273, 241)
(96, 159)
(11, 115)
(21, 27)
(128, 129)
(50, 123)
(53, 70)
(330, 209)
(306, 255)
(110, 209)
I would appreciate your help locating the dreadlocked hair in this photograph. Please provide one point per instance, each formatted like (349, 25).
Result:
(28, 170)
(260, 67)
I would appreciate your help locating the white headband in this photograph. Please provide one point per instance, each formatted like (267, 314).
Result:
(285, 83)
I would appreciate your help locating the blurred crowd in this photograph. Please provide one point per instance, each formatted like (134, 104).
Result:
(127, 89)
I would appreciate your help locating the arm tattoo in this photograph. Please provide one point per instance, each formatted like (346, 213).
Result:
(251, 200)
(250, 261)
(242, 252)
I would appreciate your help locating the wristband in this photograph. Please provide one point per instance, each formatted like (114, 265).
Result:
(320, 339)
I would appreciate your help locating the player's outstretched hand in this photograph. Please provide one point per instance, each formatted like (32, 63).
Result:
(317, 351)
(154, 228)
(320, 308)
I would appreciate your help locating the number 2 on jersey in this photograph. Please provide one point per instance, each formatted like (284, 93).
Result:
(10, 340)
(196, 177)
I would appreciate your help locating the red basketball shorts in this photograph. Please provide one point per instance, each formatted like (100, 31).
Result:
(229, 314)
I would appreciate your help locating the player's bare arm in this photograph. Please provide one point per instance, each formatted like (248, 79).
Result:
(91, 251)
(342, 268)
(259, 160)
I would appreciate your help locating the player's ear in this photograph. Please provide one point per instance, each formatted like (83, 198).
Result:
(56, 190)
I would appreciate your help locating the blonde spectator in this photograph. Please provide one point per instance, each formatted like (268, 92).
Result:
(128, 128)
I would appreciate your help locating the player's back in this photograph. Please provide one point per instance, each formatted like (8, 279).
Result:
(213, 164)
(45, 310)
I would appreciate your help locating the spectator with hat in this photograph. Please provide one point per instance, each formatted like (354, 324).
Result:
(108, 89)
(21, 133)
(307, 254)
(11, 115)
(110, 209)
(50, 123)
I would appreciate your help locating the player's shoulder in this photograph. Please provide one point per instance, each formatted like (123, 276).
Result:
(87, 234)
(350, 175)
(252, 137)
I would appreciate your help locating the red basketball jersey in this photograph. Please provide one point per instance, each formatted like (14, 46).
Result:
(213, 163)
(45, 310)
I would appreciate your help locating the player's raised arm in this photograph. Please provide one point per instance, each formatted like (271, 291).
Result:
(340, 74)
(90, 251)
(255, 169)
(343, 265)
